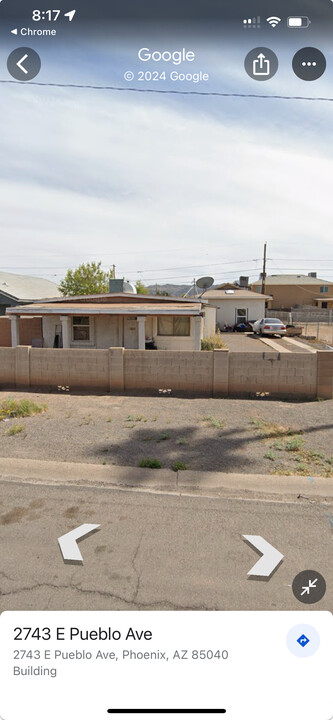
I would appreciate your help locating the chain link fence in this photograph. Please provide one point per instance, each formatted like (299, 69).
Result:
(315, 323)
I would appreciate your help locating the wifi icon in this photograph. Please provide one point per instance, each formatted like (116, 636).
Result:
(273, 21)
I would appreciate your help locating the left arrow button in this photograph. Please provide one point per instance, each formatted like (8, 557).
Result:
(68, 543)
(20, 64)
(24, 64)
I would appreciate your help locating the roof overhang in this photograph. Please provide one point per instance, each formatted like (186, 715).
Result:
(37, 310)
(136, 297)
(234, 296)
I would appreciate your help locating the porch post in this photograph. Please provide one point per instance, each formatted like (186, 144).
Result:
(141, 320)
(66, 331)
(15, 330)
(197, 332)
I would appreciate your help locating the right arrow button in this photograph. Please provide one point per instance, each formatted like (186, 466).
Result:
(270, 560)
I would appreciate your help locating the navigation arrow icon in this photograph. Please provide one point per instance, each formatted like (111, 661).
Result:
(68, 543)
(19, 64)
(23, 63)
(270, 560)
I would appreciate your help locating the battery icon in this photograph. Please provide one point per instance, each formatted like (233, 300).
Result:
(301, 21)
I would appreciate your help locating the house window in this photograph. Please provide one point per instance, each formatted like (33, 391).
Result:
(179, 326)
(324, 289)
(241, 315)
(81, 328)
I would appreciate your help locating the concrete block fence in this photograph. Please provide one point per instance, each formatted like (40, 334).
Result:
(212, 373)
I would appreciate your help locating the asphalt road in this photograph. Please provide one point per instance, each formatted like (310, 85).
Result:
(155, 551)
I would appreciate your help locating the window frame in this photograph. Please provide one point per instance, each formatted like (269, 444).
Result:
(173, 318)
(90, 326)
(245, 317)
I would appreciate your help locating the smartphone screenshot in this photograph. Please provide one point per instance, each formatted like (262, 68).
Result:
(166, 360)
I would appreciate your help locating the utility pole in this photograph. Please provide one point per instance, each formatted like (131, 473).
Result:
(263, 280)
(113, 271)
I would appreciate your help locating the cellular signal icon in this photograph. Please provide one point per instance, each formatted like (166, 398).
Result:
(273, 21)
(253, 23)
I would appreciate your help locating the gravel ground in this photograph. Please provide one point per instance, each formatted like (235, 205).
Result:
(228, 435)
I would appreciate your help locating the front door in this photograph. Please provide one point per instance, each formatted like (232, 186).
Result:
(131, 333)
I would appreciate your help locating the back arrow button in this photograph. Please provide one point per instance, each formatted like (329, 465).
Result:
(19, 64)
(24, 64)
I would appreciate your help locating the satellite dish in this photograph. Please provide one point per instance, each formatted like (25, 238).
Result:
(205, 283)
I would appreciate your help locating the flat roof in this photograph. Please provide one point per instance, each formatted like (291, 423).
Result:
(136, 298)
(292, 280)
(234, 294)
(67, 308)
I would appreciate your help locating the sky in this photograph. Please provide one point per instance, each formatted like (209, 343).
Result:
(166, 187)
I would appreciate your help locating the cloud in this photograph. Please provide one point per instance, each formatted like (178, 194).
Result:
(149, 181)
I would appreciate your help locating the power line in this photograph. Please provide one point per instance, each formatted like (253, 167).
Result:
(182, 267)
(168, 92)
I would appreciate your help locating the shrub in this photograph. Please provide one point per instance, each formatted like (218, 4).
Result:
(296, 443)
(20, 408)
(164, 436)
(213, 342)
(152, 463)
(15, 430)
(179, 466)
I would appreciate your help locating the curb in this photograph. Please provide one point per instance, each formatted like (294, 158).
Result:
(166, 481)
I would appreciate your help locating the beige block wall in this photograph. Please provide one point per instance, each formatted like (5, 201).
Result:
(213, 373)
(325, 374)
(156, 369)
(73, 367)
(7, 366)
(285, 373)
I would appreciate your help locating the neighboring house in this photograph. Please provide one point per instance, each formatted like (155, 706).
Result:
(235, 304)
(119, 319)
(290, 291)
(24, 289)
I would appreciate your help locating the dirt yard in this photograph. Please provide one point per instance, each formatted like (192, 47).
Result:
(249, 436)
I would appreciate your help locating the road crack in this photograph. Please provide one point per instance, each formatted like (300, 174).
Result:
(160, 604)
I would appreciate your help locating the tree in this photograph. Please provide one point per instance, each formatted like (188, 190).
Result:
(87, 279)
(141, 288)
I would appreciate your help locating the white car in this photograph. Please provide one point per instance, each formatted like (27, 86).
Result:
(269, 326)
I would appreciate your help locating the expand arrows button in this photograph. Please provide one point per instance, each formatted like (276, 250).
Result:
(20, 64)
(270, 559)
(68, 543)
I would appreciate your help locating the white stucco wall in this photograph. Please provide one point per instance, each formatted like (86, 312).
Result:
(226, 309)
(49, 326)
(209, 324)
(108, 331)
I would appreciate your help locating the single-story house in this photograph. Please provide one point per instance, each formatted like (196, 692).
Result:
(24, 289)
(119, 319)
(235, 304)
(290, 291)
